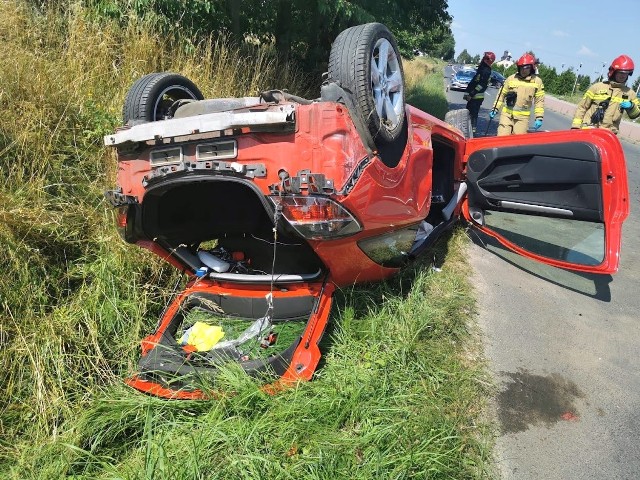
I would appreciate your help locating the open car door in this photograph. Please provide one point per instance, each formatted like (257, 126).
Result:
(556, 197)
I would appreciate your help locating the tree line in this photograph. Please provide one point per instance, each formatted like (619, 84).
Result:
(299, 30)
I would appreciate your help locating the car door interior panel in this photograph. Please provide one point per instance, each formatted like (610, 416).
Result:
(512, 179)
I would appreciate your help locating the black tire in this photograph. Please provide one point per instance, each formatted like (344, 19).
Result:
(152, 97)
(461, 120)
(379, 99)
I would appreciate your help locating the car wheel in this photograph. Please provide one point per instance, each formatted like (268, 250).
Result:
(153, 96)
(365, 61)
(461, 120)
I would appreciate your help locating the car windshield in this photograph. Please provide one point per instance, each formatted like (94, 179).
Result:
(497, 76)
(465, 75)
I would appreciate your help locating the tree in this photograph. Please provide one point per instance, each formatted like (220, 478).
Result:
(464, 57)
(549, 77)
(583, 82)
(436, 42)
(449, 49)
(301, 30)
(554, 83)
(510, 70)
(565, 82)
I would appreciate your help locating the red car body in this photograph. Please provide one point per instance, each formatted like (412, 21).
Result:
(268, 204)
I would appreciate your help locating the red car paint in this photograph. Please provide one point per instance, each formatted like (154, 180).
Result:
(384, 198)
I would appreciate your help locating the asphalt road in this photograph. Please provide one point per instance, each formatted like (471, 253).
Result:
(564, 349)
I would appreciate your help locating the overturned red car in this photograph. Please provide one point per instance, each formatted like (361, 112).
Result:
(269, 203)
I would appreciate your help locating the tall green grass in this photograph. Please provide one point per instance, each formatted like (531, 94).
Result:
(425, 77)
(399, 394)
(73, 296)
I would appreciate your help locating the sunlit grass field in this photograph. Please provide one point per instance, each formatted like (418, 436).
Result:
(400, 392)
(426, 92)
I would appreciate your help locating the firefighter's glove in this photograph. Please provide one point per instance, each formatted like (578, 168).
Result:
(493, 113)
(537, 124)
(466, 97)
(626, 105)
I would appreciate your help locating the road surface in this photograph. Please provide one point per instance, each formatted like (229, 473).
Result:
(564, 349)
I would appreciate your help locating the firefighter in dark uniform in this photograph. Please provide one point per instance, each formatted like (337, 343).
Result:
(475, 90)
(604, 103)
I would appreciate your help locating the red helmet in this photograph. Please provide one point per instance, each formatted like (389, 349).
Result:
(623, 63)
(526, 59)
(489, 58)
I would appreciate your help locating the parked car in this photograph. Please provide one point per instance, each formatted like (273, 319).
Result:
(496, 79)
(267, 204)
(461, 79)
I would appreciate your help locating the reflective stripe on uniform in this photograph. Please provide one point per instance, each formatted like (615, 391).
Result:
(618, 99)
(610, 92)
(596, 97)
(517, 113)
(521, 83)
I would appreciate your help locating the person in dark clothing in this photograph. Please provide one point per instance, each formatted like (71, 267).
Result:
(475, 90)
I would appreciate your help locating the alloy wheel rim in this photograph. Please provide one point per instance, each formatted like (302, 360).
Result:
(386, 83)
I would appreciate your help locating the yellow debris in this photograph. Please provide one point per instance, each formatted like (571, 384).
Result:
(202, 336)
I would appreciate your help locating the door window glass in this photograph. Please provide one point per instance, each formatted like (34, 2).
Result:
(562, 239)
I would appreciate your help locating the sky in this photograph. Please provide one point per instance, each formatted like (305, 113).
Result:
(562, 33)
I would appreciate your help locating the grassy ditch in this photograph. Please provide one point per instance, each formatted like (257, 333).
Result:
(425, 78)
(399, 394)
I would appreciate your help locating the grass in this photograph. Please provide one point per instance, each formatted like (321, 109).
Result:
(425, 77)
(575, 98)
(400, 392)
(286, 332)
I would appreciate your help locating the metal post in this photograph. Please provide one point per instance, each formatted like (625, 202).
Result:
(602, 72)
(576, 82)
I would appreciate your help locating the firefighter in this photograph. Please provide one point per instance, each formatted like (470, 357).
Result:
(519, 92)
(604, 103)
(475, 90)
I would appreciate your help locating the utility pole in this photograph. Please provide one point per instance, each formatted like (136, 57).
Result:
(576, 82)
(601, 72)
